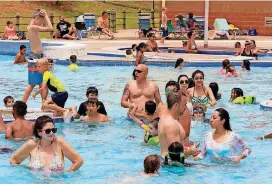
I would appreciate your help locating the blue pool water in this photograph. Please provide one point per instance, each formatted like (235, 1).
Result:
(111, 158)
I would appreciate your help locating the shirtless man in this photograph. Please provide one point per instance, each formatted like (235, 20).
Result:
(164, 27)
(103, 25)
(20, 58)
(169, 129)
(19, 128)
(40, 22)
(139, 91)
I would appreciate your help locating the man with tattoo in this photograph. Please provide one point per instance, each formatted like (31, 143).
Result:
(137, 92)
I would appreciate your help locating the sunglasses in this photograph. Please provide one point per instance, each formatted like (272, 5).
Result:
(138, 71)
(201, 78)
(184, 82)
(47, 131)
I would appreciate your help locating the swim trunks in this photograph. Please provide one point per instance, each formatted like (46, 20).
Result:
(59, 98)
(33, 56)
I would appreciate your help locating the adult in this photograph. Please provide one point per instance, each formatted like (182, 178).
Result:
(199, 93)
(179, 63)
(65, 30)
(40, 22)
(20, 127)
(103, 25)
(169, 128)
(267, 136)
(191, 21)
(48, 151)
(223, 144)
(215, 88)
(245, 51)
(151, 43)
(139, 91)
(10, 32)
(20, 57)
(254, 48)
(191, 45)
(140, 58)
(164, 27)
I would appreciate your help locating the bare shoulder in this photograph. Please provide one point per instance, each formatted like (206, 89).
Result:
(60, 141)
(103, 118)
(31, 143)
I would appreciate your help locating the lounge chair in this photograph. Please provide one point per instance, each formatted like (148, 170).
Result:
(91, 27)
(144, 21)
(176, 31)
(221, 29)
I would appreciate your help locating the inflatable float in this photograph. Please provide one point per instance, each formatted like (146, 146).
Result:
(32, 115)
(266, 105)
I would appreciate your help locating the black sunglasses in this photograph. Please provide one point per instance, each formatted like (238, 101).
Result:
(47, 131)
(184, 82)
(138, 71)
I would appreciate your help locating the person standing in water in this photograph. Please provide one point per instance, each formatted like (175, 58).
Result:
(40, 22)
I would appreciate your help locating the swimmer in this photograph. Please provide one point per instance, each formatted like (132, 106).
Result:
(151, 130)
(267, 136)
(8, 101)
(20, 57)
(179, 63)
(51, 66)
(92, 106)
(151, 165)
(134, 46)
(59, 96)
(237, 97)
(245, 65)
(20, 127)
(215, 88)
(231, 72)
(129, 54)
(40, 22)
(183, 81)
(225, 64)
(175, 156)
(140, 58)
(47, 151)
(223, 144)
(199, 114)
(73, 67)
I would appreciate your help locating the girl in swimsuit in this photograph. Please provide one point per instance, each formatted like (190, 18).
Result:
(231, 72)
(10, 31)
(47, 152)
(191, 45)
(151, 43)
(199, 93)
(225, 64)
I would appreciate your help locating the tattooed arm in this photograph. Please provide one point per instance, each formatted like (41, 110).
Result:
(125, 97)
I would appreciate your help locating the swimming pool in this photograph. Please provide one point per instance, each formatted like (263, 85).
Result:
(111, 158)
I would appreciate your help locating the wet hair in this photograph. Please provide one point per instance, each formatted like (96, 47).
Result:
(7, 98)
(172, 83)
(230, 68)
(173, 98)
(129, 52)
(92, 90)
(178, 62)
(140, 46)
(190, 34)
(134, 45)
(150, 35)
(175, 149)
(92, 101)
(237, 44)
(50, 60)
(151, 164)
(9, 22)
(22, 47)
(20, 108)
(154, 122)
(224, 115)
(191, 83)
(190, 15)
(150, 107)
(180, 76)
(40, 123)
(196, 72)
(237, 92)
(104, 12)
(225, 63)
(246, 64)
(215, 88)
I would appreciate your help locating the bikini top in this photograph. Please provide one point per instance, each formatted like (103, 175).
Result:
(245, 54)
(198, 99)
(56, 164)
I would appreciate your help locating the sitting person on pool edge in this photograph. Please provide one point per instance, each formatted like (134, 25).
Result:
(92, 106)
(103, 25)
(65, 30)
(20, 127)
(47, 151)
(58, 99)
(91, 92)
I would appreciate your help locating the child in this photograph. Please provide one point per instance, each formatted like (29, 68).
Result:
(151, 164)
(20, 58)
(129, 54)
(58, 99)
(225, 64)
(237, 97)
(231, 72)
(246, 65)
(134, 46)
(175, 155)
(73, 67)
(51, 65)
(92, 106)
(8, 101)
(19, 128)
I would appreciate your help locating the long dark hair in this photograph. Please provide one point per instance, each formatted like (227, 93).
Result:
(215, 88)
(178, 62)
(224, 115)
(140, 46)
(246, 64)
(238, 92)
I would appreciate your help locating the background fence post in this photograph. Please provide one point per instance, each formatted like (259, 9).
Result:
(109, 13)
(124, 18)
(153, 17)
(138, 13)
(17, 21)
(113, 20)
(51, 17)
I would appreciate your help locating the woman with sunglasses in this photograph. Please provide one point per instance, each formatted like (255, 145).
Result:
(48, 151)
(151, 43)
(199, 93)
(183, 82)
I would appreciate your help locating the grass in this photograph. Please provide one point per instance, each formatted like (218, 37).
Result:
(69, 9)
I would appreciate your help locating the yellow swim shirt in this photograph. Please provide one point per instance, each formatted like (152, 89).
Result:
(73, 67)
(53, 83)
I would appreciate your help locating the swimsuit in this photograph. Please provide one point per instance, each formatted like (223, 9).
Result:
(245, 54)
(56, 164)
(149, 139)
(73, 67)
(245, 100)
(198, 100)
